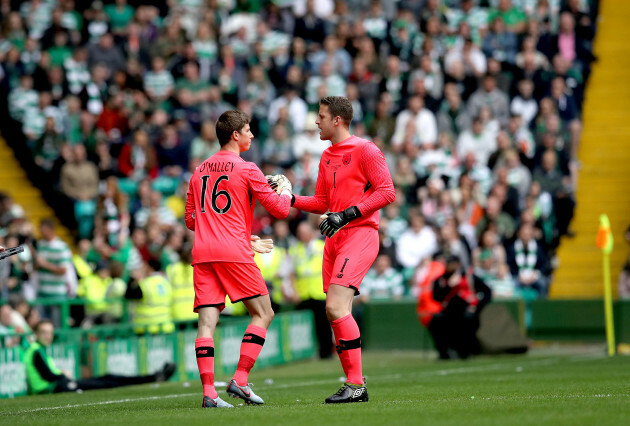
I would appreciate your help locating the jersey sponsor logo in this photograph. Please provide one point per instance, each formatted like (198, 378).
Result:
(346, 159)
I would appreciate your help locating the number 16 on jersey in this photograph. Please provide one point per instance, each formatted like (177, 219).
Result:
(215, 195)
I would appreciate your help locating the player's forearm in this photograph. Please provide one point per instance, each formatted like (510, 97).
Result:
(377, 173)
(379, 199)
(190, 221)
(277, 206)
(189, 212)
(310, 204)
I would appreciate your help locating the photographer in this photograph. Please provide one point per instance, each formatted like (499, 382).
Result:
(455, 327)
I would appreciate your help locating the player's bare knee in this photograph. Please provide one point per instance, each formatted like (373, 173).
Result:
(335, 310)
(269, 314)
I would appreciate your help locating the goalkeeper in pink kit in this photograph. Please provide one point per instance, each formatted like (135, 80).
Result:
(353, 184)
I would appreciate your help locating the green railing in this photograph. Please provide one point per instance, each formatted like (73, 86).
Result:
(116, 349)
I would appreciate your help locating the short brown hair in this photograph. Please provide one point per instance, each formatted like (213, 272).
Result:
(228, 123)
(339, 106)
(42, 322)
(47, 222)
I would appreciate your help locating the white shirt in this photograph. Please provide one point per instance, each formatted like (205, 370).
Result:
(482, 145)
(412, 247)
(526, 108)
(426, 127)
(311, 143)
(297, 111)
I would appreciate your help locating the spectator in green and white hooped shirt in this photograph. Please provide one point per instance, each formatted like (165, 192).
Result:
(23, 98)
(382, 282)
(34, 123)
(53, 260)
(158, 83)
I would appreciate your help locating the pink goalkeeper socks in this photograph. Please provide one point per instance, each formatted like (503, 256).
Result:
(348, 339)
(204, 348)
(251, 346)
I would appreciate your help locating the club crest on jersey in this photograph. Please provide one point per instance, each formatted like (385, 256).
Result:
(346, 159)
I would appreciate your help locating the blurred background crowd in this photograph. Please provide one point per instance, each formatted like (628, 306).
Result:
(475, 103)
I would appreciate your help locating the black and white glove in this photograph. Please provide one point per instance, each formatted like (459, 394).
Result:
(333, 222)
(280, 184)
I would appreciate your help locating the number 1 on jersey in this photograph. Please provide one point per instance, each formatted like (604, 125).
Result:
(215, 194)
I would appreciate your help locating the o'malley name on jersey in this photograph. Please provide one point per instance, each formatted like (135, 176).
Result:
(216, 167)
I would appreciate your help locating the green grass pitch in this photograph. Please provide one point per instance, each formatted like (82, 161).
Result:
(406, 388)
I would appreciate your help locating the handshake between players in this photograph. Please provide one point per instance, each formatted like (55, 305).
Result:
(331, 222)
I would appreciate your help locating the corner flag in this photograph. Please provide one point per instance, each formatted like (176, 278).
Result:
(605, 242)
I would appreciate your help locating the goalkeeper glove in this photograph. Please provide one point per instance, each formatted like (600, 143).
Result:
(261, 246)
(280, 184)
(333, 222)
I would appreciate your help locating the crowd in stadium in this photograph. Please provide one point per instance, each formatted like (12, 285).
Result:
(475, 104)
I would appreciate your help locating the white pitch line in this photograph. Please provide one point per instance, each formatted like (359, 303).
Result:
(115, 401)
(443, 372)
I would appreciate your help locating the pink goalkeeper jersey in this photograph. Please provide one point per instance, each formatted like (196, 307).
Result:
(351, 173)
(221, 197)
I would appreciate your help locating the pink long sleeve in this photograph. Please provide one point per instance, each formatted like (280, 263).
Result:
(277, 206)
(377, 172)
(189, 214)
(317, 203)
